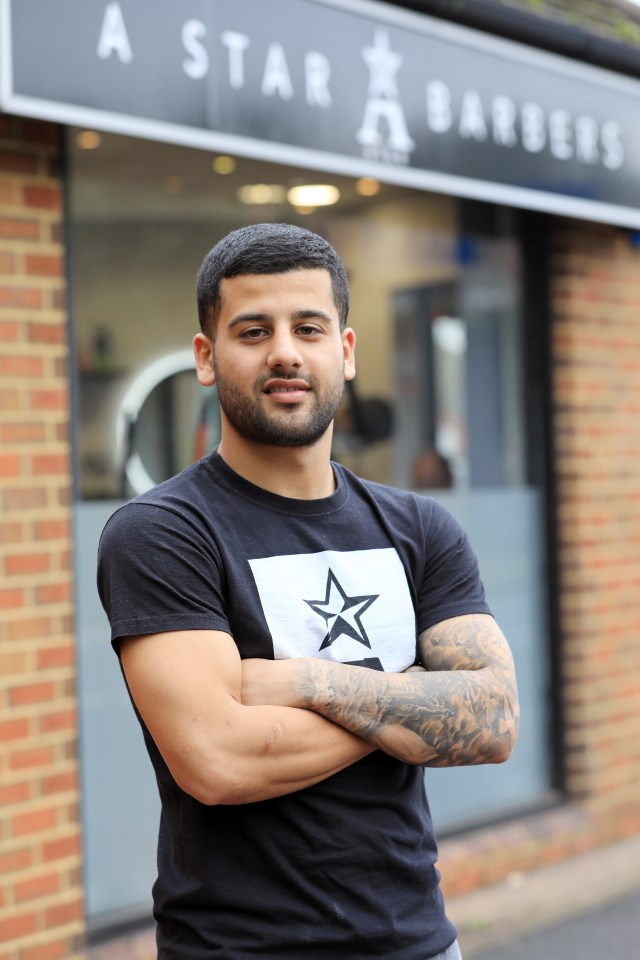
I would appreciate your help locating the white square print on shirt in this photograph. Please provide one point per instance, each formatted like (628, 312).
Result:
(350, 606)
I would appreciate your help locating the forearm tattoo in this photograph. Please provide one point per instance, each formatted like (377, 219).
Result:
(462, 709)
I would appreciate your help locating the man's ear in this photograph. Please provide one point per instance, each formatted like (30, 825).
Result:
(349, 349)
(203, 352)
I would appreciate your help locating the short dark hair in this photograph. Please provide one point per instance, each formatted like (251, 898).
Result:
(267, 248)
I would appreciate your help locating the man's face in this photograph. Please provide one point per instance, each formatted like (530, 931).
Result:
(279, 358)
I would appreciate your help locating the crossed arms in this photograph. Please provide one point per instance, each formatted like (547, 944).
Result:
(236, 732)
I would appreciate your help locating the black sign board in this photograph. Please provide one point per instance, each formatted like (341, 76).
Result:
(353, 86)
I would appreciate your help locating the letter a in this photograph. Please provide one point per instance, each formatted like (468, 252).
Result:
(113, 36)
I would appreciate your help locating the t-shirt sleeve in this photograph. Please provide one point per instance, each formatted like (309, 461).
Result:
(157, 574)
(451, 584)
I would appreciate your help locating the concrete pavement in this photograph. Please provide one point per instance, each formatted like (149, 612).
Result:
(547, 899)
(607, 932)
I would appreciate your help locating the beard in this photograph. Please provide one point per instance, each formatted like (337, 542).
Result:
(288, 427)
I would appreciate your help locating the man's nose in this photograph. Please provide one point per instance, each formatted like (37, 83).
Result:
(284, 351)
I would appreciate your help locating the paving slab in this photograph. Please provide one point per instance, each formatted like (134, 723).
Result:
(525, 903)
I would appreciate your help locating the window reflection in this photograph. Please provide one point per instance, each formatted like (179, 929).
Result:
(437, 399)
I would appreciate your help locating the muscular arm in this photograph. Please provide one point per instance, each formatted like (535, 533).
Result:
(186, 686)
(461, 709)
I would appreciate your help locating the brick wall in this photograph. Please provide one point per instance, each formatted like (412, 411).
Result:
(41, 908)
(597, 389)
(595, 303)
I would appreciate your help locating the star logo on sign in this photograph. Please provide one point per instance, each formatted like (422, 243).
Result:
(383, 65)
(341, 613)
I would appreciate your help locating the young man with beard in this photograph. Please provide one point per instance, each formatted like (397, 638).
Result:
(298, 644)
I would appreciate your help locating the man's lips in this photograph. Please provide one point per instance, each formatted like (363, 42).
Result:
(286, 391)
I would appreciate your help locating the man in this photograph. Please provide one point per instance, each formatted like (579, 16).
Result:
(298, 643)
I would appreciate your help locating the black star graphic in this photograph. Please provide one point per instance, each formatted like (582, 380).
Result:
(341, 613)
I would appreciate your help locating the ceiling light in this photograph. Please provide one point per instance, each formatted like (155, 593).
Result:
(261, 193)
(450, 334)
(88, 140)
(174, 184)
(367, 186)
(223, 164)
(313, 195)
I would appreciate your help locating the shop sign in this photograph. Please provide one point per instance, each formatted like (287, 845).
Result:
(351, 86)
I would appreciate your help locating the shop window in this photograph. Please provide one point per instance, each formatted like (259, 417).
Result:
(437, 406)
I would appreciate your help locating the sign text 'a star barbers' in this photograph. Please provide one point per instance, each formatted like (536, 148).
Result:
(350, 86)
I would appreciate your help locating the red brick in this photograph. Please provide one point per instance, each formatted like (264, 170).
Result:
(58, 720)
(24, 498)
(14, 663)
(12, 598)
(11, 399)
(7, 262)
(15, 861)
(14, 729)
(64, 913)
(17, 925)
(11, 531)
(52, 529)
(7, 192)
(30, 759)
(28, 628)
(10, 126)
(50, 464)
(27, 297)
(62, 848)
(51, 950)
(41, 132)
(8, 330)
(14, 162)
(47, 333)
(36, 821)
(44, 264)
(26, 432)
(11, 794)
(21, 366)
(36, 887)
(60, 783)
(61, 367)
(51, 399)
(45, 198)
(51, 657)
(54, 593)
(31, 693)
(16, 228)
(21, 563)
(59, 297)
(64, 495)
(10, 465)
(62, 432)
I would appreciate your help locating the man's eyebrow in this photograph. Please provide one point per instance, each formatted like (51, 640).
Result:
(311, 315)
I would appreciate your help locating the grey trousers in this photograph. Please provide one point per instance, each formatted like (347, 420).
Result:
(451, 953)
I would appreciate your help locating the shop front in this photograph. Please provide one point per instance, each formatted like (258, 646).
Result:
(436, 160)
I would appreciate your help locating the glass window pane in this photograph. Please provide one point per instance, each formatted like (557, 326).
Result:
(437, 406)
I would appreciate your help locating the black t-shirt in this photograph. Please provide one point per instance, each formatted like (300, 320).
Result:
(345, 867)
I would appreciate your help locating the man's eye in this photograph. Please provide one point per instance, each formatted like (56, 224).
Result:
(308, 330)
(253, 333)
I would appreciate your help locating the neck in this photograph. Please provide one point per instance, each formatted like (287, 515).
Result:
(302, 473)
